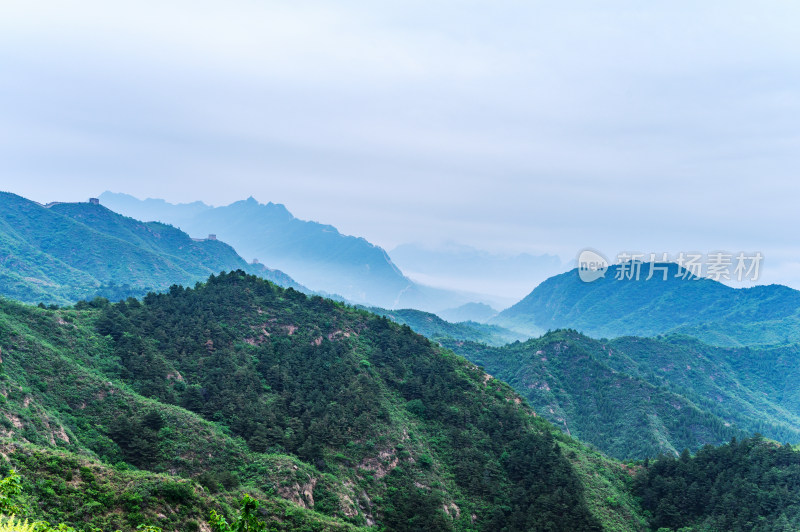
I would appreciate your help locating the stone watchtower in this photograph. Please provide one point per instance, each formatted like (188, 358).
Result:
(94, 201)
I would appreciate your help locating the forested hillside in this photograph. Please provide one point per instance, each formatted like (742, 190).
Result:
(749, 485)
(635, 397)
(73, 251)
(157, 411)
(240, 385)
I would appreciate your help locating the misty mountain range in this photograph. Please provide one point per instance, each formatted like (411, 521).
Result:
(314, 254)
(229, 359)
(73, 251)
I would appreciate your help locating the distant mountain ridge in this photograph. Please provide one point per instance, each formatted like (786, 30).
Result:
(71, 251)
(315, 254)
(478, 312)
(703, 308)
(433, 327)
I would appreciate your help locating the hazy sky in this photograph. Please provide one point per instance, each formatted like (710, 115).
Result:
(509, 126)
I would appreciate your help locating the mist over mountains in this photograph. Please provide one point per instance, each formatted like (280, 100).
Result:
(314, 254)
(457, 266)
(478, 312)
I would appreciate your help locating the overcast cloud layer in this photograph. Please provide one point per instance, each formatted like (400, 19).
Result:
(509, 126)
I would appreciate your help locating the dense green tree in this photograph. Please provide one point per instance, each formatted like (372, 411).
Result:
(752, 484)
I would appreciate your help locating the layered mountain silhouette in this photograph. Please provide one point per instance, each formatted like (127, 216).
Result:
(314, 254)
(70, 251)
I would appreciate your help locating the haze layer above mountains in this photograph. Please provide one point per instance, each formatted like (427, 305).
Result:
(323, 259)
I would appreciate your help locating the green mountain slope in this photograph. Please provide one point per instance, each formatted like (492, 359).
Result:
(750, 485)
(705, 309)
(92, 495)
(75, 251)
(342, 415)
(635, 397)
(433, 327)
(157, 411)
(61, 413)
(759, 384)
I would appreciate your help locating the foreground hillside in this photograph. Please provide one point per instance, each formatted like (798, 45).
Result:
(72, 251)
(609, 307)
(636, 397)
(333, 414)
(750, 485)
